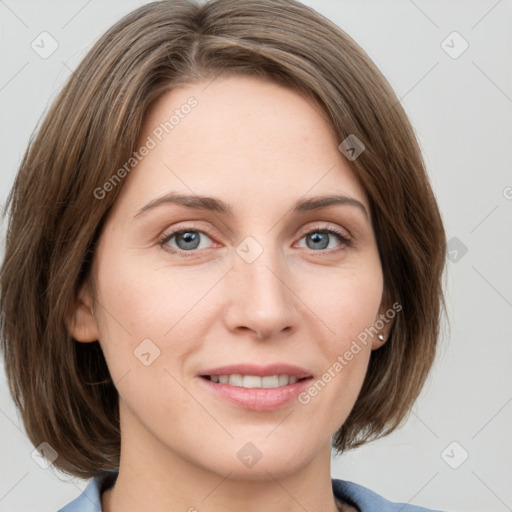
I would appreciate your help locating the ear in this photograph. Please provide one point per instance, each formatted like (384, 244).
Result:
(82, 325)
(384, 322)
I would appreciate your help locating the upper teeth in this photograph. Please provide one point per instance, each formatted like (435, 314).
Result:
(253, 381)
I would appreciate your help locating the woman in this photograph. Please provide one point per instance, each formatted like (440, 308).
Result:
(223, 258)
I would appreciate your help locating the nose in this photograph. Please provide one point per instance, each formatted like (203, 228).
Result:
(260, 297)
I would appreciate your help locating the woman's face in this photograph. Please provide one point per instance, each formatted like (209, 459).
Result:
(255, 279)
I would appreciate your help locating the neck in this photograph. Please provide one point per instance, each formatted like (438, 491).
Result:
(154, 477)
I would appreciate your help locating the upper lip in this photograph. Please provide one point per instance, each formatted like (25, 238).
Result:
(261, 371)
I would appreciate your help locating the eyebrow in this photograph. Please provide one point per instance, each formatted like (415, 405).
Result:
(217, 206)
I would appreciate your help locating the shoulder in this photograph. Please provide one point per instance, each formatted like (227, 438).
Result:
(368, 501)
(90, 499)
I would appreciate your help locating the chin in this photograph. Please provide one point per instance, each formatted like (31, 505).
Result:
(260, 458)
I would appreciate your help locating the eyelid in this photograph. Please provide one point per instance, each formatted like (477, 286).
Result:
(343, 232)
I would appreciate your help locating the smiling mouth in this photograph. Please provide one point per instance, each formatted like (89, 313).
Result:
(254, 381)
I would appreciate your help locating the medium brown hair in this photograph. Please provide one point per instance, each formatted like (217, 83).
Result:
(63, 388)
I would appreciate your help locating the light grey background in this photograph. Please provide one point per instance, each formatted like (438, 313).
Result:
(461, 110)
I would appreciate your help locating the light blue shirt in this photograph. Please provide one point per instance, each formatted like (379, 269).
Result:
(358, 496)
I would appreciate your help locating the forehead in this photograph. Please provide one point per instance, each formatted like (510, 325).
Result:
(243, 139)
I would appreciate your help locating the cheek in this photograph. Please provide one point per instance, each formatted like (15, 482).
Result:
(151, 312)
(347, 300)
(149, 299)
(145, 334)
(347, 304)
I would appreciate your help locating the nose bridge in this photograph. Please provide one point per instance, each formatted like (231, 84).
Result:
(261, 296)
(258, 266)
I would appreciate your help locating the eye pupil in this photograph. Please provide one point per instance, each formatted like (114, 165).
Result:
(190, 239)
(318, 237)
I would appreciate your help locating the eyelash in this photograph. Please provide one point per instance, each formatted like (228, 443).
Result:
(164, 239)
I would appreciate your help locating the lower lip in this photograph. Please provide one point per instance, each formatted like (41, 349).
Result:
(257, 399)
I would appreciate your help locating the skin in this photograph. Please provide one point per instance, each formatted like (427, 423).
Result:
(259, 147)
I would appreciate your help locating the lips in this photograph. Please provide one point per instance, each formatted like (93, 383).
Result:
(258, 388)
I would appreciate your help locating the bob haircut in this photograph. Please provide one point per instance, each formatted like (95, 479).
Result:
(62, 387)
